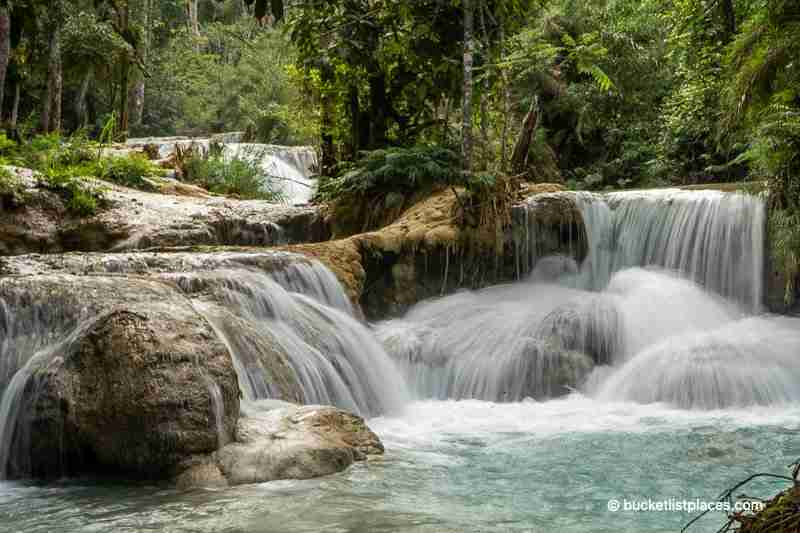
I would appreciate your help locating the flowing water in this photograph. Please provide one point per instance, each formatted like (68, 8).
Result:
(289, 169)
(647, 372)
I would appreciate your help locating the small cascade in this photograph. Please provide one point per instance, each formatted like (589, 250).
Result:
(714, 238)
(33, 335)
(290, 168)
(292, 335)
(218, 410)
(486, 345)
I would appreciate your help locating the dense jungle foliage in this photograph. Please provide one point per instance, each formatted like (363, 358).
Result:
(599, 94)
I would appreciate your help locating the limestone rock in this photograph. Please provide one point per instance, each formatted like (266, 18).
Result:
(287, 442)
(181, 215)
(139, 382)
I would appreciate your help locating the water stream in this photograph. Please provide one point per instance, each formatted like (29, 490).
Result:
(648, 371)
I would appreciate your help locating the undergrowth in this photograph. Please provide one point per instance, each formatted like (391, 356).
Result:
(784, 229)
(69, 165)
(239, 175)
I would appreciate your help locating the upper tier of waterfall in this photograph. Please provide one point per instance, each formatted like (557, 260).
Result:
(715, 238)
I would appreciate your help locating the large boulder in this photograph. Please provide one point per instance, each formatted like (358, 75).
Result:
(136, 383)
(285, 442)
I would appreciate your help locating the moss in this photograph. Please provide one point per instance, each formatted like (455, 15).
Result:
(781, 515)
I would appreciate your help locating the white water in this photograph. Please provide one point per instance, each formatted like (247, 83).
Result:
(290, 168)
(672, 383)
(714, 238)
(300, 316)
(679, 331)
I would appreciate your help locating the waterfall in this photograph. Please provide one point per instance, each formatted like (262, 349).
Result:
(33, 334)
(291, 332)
(714, 238)
(659, 311)
(278, 337)
(290, 168)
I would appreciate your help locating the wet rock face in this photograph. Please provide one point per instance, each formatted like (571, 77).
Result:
(413, 260)
(138, 220)
(141, 384)
(285, 442)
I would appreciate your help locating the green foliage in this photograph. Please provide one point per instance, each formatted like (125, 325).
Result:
(82, 197)
(239, 175)
(129, 171)
(241, 79)
(785, 241)
(403, 170)
(12, 193)
(600, 73)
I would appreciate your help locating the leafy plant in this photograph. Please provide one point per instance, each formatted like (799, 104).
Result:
(11, 190)
(785, 239)
(129, 171)
(82, 197)
(239, 175)
(394, 170)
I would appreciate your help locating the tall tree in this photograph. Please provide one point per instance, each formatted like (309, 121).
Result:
(466, 131)
(137, 92)
(5, 49)
(51, 110)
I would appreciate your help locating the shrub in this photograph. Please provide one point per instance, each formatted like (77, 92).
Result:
(404, 170)
(785, 239)
(82, 198)
(11, 190)
(129, 171)
(239, 175)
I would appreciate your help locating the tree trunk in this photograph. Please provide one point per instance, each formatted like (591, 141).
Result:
(193, 22)
(5, 51)
(378, 111)
(137, 90)
(466, 130)
(519, 158)
(125, 75)
(328, 159)
(355, 122)
(15, 107)
(506, 111)
(51, 112)
(277, 8)
(80, 99)
(729, 14)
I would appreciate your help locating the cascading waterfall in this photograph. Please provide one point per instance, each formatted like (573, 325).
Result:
(676, 331)
(714, 238)
(334, 358)
(32, 335)
(290, 167)
(291, 334)
(661, 310)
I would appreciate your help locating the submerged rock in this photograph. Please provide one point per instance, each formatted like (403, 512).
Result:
(591, 325)
(286, 442)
